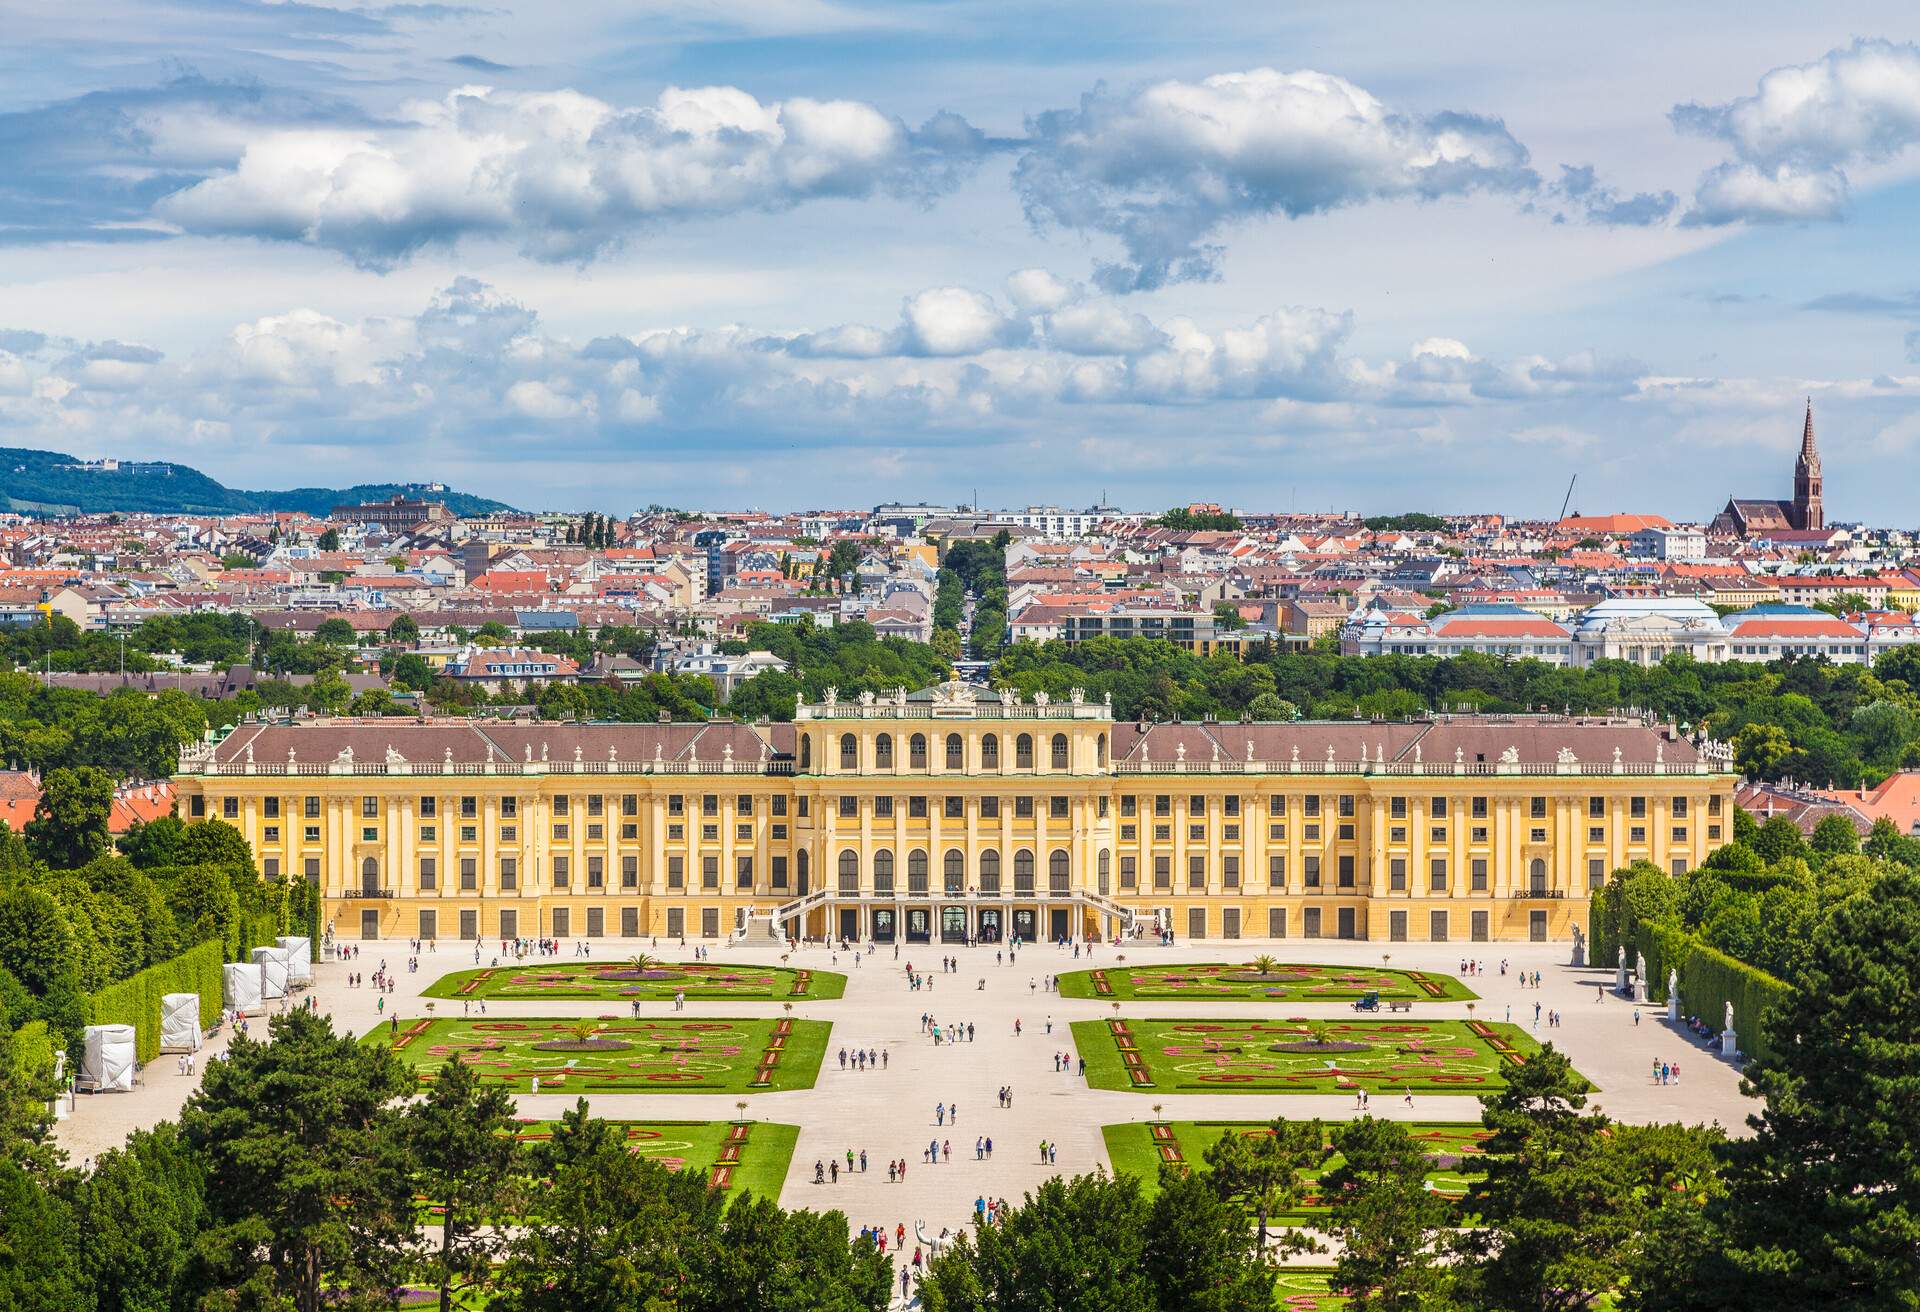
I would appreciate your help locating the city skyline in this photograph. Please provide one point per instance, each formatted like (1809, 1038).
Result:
(824, 254)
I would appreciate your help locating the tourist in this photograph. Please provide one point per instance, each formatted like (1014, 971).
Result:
(892, 1174)
(849, 1161)
(833, 1169)
(946, 1151)
(940, 1114)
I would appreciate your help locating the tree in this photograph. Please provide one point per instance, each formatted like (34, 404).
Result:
(461, 1134)
(1551, 1224)
(1196, 1253)
(216, 843)
(309, 1195)
(335, 632)
(1266, 1172)
(38, 1269)
(404, 629)
(1075, 1243)
(764, 1259)
(1823, 1202)
(1227, 617)
(1188, 519)
(153, 844)
(69, 825)
(606, 1231)
(1267, 706)
(1835, 836)
(1388, 1224)
(37, 943)
(138, 1215)
(330, 540)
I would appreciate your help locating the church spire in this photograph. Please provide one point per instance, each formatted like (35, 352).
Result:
(1807, 512)
(1807, 451)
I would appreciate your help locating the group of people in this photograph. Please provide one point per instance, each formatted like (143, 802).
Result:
(957, 1032)
(863, 1059)
(1666, 1072)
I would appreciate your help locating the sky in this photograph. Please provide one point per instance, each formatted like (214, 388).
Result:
(796, 254)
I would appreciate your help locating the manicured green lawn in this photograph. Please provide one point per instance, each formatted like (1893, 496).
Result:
(1244, 982)
(1137, 1148)
(617, 981)
(651, 1055)
(1389, 1056)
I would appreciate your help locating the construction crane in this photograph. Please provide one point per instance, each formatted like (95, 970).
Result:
(1569, 497)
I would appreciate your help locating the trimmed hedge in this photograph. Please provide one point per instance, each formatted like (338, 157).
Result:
(33, 1047)
(135, 1000)
(1710, 979)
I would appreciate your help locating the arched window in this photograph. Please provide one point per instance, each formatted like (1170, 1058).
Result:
(883, 872)
(370, 876)
(956, 752)
(1057, 872)
(989, 872)
(849, 752)
(1023, 871)
(956, 871)
(1537, 876)
(806, 752)
(1106, 870)
(917, 752)
(849, 871)
(1100, 751)
(990, 752)
(916, 872)
(1059, 751)
(1023, 752)
(883, 752)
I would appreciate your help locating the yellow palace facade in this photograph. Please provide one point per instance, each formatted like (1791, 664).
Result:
(956, 813)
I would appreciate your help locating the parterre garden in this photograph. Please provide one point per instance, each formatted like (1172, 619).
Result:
(1265, 980)
(617, 1055)
(1453, 1148)
(645, 981)
(1374, 1054)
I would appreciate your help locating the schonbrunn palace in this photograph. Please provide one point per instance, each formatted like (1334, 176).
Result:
(958, 812)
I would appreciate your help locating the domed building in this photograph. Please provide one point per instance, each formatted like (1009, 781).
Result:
(1645, 630)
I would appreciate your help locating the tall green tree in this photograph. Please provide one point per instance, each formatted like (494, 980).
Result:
(139, 1214)
(38, 1263)
(70, 823)
(461, 1135)
(1071, 1244)
(1268, 1172)
(1196, 1251)
(765, 1259)
(1822, 1208)
(1389, 1226)
(309, 1189)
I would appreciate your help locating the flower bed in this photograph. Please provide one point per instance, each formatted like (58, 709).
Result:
(1243, 982)
(615, 980)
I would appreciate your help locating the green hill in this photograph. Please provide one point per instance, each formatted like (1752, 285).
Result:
(50, 482)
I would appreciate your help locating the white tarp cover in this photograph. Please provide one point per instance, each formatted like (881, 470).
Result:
(240, 986)
(273, 971)
(180, 1022)
(299, 959)
(108, 1063)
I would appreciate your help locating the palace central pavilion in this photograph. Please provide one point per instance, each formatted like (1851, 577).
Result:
(957, 813)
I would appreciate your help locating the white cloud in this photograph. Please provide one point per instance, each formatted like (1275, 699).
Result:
(1795, 138)
(1165, 168)
(561, 174)
(1037, 291)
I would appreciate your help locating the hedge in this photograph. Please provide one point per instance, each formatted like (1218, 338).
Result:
(33, 1047)
(135, 1000)
(1709, 979)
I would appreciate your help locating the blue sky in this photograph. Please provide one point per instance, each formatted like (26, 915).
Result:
(804, 253)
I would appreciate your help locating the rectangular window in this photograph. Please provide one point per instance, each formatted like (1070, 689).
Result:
(882, 808)
(596, 922)
(916, 808)
(369, 835)
(1276, 922)
(1679, 808)
(1277, 833)
(509, 873)
(1128, 805)
(273, 833)
(469, 925)
(1196, 805)
(562, 922)
(1346, 872)
(631, 831)
(1310, 922)
(596, 872)
(1163, 805)
(1637, 834)
(270, 867)
(1480, 927)
(676, 872)
(709, 922)
(1437, 835)
(370, 808)
(1437, 808)
(562, 872)
(676, 804)
(1597, 834)
(1713, 805)
(1057, 808)
(428, 874)
(743, 804)
(469, 807)
(1479, 874)
(1397, 808)
(1129, 872)
(1230, 922)
(989, 808)
(629, 872)
(629, 922)
(1196, 871)
(1397, 874)
(709, 872)
(1437, 875)
(1277, 870)
(1537, 808)
(469, 874)
(1596, 808)
(743, 872)
(509, 807)
(1479, 834)
(429, 925)
(676, 922)
(1196, 922)
(270, 808)
(1596, 873)
(1679, 833)
(1163, 872)
(1479, 808)
(1637, 808)
(954, 808)
(779, 872)
(743, 832)
(560, 804)
(1437, 926)
(1345, 833)
(509, 833)
(1197, 833)
(1536, 835)
(850, 807)
(312, 808)
(1023, 808)
(313, 831)
(1346, 806)
(630, 804)
(1311, 805)
(1230, 873)
(1276, 806)
(710, 804)
(1310, 871)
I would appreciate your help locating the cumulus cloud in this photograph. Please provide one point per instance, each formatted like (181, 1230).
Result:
(564, 176)
(1795, 139)
(1164, 169)
(1580, 190)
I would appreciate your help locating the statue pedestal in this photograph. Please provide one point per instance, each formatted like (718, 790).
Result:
(1729, 1044)
(1639, 990)
(1579, 954)
(1620, 979)
(1673, 1009)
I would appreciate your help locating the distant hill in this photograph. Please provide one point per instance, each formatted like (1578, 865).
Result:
(52, 483)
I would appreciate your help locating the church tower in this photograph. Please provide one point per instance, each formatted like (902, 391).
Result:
(1807, 511)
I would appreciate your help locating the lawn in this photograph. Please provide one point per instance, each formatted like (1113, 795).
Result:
(1137, 1148)
(1218, 981)
(618, 981)
(1306, 1289)
(1377, 1054)
(651, 1055)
